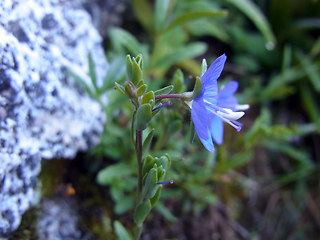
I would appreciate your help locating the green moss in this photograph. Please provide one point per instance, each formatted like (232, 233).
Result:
(28, 227)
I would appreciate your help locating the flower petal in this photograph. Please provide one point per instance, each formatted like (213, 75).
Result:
(226, 98)
(214, 71)
(209, 80)
(229, 102)
(200, 119)
(217, 129)
(229, 89)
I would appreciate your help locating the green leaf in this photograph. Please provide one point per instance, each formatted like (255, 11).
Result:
(180, 53)
(82, 83)
(115, 73)
(121, 232)
(143, 117)
(136, 72)
(287, 57)
(234, 162)
(189, 16)
(310, 104)
(144, 13)
(148, 163)
(312, 70)
(141, 90)
(147, 142)
(161, 11)
(165, 90)
(164, 211)
(203, 27)
(149, 96)
(197, 88)
(92, 72)
(123, 205)
(115, 171)
(141, 212)
(279, 83)
(254, 13)
(129, 67)
(120, 88)
(156, 197)
(124, 41)
(163, 161)
(150, 186)
(178, 81)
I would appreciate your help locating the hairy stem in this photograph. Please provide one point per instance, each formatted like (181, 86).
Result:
(178, 95)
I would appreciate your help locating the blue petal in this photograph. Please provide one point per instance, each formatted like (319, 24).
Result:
(214, 71)
(209, 80)
(230, 102)
(217, 129)
(226, 98)
(229, 89)
(200, 119)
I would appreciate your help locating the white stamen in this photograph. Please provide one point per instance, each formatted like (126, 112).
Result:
(242, 107)
(230, 115)
(227, 120)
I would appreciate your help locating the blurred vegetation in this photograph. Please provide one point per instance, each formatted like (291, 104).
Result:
(261, 183)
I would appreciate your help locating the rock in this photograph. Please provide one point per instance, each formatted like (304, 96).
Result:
(44, 114)
(105, 13)
(59, 221)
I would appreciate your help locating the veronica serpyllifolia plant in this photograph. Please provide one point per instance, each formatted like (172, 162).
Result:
(209, 109)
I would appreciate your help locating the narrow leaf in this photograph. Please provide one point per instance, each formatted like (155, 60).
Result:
(115, 73)
(147, 142)
(121, 232)
(165, 90)
(92, 72)
(160, 15)
(141, 212)
(186, 17)
(257, 17)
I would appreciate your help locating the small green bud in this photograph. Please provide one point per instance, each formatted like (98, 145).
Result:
(141, 212)
(143, 116)
(131, 91)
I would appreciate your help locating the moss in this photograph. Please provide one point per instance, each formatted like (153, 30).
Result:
(28, 227)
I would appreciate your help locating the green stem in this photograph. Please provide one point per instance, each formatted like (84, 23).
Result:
(138, 232)
(139, 190)
(139, 159)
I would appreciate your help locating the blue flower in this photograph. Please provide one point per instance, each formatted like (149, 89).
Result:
(211, 108)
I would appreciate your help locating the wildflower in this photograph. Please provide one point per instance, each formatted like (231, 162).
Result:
(211, 108)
